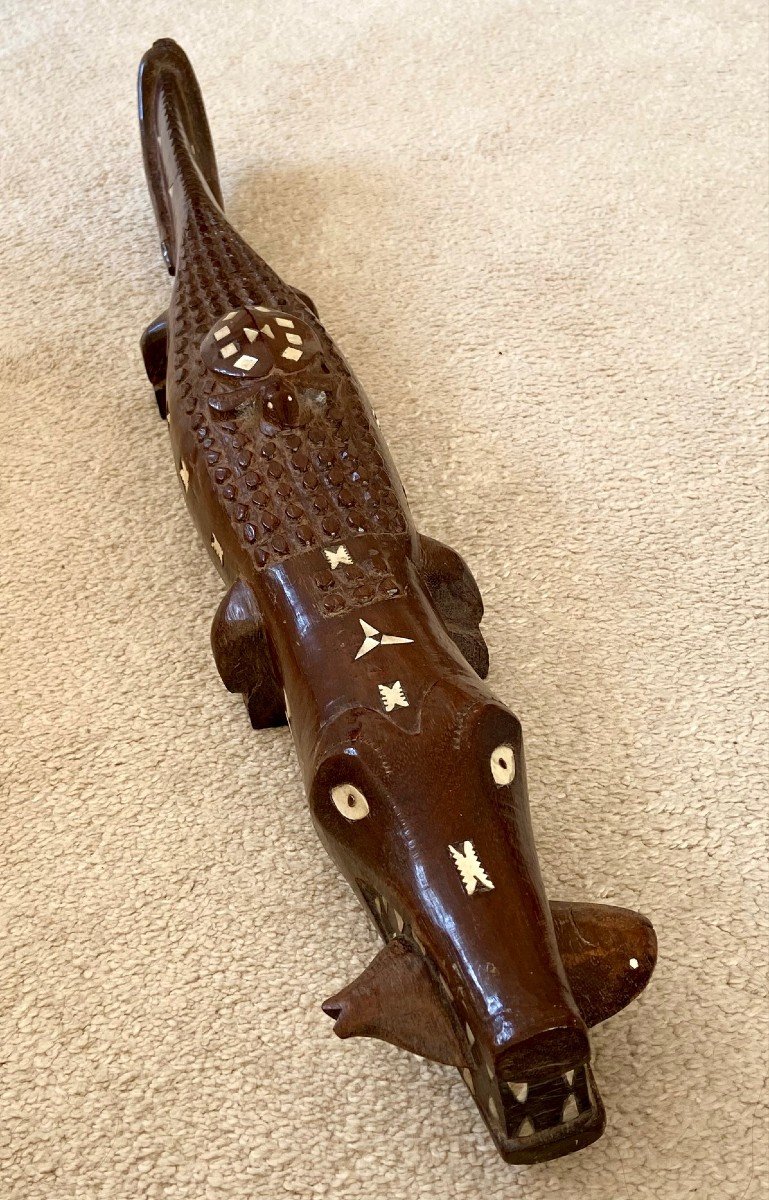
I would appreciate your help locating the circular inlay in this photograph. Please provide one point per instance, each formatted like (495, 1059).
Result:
(350, 801)
(503, 765)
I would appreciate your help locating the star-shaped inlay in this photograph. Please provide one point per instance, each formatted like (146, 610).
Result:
(372, 638)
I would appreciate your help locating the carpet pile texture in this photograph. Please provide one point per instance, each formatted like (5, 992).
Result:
(538, 233)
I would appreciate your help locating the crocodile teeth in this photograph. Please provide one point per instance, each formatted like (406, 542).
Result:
(525, 1129)
(569, 1077)
(520, 1091)
(570, 1109)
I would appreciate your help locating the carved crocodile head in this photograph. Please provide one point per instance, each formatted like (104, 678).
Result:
(431, 827)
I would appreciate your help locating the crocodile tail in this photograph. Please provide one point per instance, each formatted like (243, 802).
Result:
(176, 140)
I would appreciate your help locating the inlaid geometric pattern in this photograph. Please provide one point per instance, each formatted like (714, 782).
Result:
(469, 866)
(253, 342)
(393, 696)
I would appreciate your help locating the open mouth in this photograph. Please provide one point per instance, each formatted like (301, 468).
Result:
(549, 1118)
(533, 1122)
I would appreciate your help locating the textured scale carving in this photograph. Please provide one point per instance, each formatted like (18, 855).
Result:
(286, 490)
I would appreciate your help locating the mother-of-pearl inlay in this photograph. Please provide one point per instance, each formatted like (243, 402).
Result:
(393, 696)
(340, 555)
(350, 801)
(373, 638)
(503, 765)
(470, 870)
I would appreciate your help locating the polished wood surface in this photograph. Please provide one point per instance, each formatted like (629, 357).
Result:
(342, 619)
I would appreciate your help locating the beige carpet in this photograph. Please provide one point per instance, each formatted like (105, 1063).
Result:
(537, 231)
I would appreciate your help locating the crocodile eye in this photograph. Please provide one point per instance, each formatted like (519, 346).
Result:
(350, 802)
(503, 765)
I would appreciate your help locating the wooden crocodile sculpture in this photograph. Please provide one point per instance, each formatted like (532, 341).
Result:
(340, 618)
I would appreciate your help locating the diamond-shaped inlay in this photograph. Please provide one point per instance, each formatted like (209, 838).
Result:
(254, 341)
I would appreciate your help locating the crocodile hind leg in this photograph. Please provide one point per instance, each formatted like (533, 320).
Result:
(154, 348)
(242, 658)
(455, 595)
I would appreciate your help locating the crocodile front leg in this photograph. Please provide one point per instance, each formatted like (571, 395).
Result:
(242, 657)
(455, 594)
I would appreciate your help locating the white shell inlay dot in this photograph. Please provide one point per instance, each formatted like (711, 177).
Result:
(184, 475)
(228, 350)
(284, 321)
(493, 1108)
(292, 354)
(468, 1079)
(245, 362)
(222, 332)
(570, 1109)
(340, 555)
(393, 696)
(470, 870)
(265, 329)
(503, 765)
(634, 963)
(216, 547)
(350, 801)
(294, 339)
(251, 334)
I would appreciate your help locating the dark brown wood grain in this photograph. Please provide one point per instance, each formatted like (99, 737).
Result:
(340, 618)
